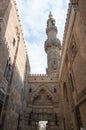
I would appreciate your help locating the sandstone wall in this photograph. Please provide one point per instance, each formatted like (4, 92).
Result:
(72, 66)
(12, 45)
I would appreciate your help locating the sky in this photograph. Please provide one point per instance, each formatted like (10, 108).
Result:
(33, 15)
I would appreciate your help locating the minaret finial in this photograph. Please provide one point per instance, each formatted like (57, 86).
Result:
(50, 15)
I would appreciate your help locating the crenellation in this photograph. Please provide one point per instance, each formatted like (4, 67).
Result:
(59, 96)
(66, 23)
(41, 78)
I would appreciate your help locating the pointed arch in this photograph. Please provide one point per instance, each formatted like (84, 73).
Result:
(46, 90)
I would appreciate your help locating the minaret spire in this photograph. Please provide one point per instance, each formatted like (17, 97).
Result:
(50, 15)
(52, 46)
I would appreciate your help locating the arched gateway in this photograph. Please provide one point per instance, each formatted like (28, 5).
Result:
(42, 92)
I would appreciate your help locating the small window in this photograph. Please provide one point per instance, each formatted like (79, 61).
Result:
(30, 90)
(2, 95)
(8, 69)
(14, 41)
(78, 116)
(73, 50)
(71, 80)
(1, 104)
(54, 90)
(0, 27)
(65, 92)
(18, 122)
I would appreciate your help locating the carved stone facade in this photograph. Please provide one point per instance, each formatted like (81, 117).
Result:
(42, 95)
(58, 97)
(42, 102)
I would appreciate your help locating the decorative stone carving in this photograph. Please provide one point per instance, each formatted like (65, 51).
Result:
(42, 89)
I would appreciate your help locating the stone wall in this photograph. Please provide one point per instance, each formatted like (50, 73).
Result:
(72, 67)
(42, 98)
(12, 46)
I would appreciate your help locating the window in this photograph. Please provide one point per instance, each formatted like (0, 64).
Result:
(54, 90)
(0, 27)
(78, 115)
(18, 122)
(56, 120)
(1, 100)
(54, 64)
(14, 41)
(65, 91)
(30, 90)
(71, 81)
(73, 51)
(8, 69)
(1, 103)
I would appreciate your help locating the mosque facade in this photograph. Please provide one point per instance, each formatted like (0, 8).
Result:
(57, 98)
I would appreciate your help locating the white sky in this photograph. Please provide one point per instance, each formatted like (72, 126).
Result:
(33, 16)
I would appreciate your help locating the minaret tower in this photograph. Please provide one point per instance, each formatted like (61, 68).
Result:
(52, 47)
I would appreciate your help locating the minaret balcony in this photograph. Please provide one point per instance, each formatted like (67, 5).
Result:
(52, 28)
(52, 43)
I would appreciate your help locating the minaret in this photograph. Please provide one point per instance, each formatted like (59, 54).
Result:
(52, 47)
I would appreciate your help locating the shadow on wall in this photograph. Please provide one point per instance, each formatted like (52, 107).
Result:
(13, 103)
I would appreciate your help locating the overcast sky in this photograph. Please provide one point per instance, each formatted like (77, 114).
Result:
(33, 15)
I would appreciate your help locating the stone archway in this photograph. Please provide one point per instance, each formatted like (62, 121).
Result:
(42, 108)
(42, 100)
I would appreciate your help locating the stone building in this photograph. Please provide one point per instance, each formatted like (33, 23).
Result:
(42, 95)
(72, 76)
(13, 62)
(59, 97)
